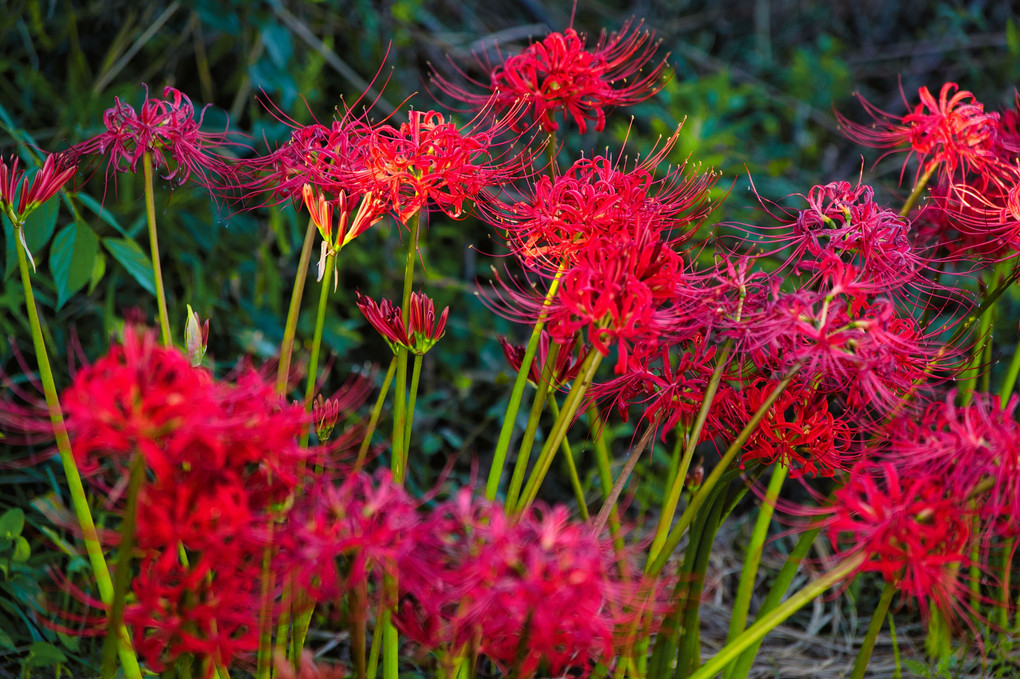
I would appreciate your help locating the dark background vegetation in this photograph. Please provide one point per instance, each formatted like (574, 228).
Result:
(755, 82)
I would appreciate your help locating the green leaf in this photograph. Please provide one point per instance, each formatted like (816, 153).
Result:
(98, 270)
(11, 523)
(104, 214)
(21, 550)
(133, 258)
(73, 259)
(43, 654)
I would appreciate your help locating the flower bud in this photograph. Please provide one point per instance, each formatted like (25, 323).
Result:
(196, 337)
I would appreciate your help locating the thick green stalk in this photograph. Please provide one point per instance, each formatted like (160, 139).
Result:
(79, 502)
(749, 574)
(534, 416)
(656, 561)
(689, 648)
(294, 310)
(510, 416)
(568, 454)
(559, 430)
(411, 399)
(398, 464)
(263, 655)
(669, 505)
(864, 655)
(122, 575)
(313, 360)
(157, 270)
(742, 667)
(770, 621)
(1009, 379)
(374, 418)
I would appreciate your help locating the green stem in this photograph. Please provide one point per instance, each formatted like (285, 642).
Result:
(122, 575)
(1009, 381)
(918, 188)
(398, 463)
(391, 642)
(79, 502)
(294, 310)
(767, 623)
(568, 454)
(597, 428)
(366, 442)
(742, 667)
(263, 656)
(313, 361)
(559, 430)
(864, 655)
(399, 417)
(669, 505)
(534, 416)
(749, 574)
(157, 270)
(510, 416)
(657, 561)
(381, 618)
(413, 396)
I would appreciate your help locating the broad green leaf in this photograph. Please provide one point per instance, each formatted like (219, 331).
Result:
(98, 270)
(133, 258)
(43, 654)
(11, 523)
(73, 259)
(104, 214)
(22, 550)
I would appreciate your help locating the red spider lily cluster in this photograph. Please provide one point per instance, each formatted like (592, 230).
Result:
(560, 75)
(218, 457)
(813, 341)
(536, 591)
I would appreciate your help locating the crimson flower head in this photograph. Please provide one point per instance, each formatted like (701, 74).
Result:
(168, 130)
(565, 369)
(428, 159)
(54, 173)
(560, 74)
(422, 329)
(913, 532)
(953, 132)
(535, 593)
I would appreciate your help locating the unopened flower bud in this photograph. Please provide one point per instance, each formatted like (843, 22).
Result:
(326, 413)
(196, 337)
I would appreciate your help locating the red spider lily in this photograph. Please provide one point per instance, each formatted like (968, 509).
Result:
(209, 608)
(325, 157)
(914, 532)
(430, 159)
(597, 198)
(50, 178)
(560, 75)
(422, 329)
(974, 448)
(539, 593)
(344, 535)
(669, 395)
(167, 129)
(568, 363)
(953, 132)
(869, 351)
(842, 226)
(799, 431)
